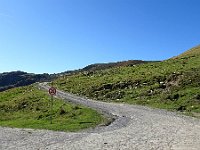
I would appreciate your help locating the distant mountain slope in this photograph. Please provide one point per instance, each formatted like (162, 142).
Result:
(18, 78)
(171, 84)
(103, 66)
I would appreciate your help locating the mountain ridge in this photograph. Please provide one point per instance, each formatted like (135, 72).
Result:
(20, 78)
(102, 66)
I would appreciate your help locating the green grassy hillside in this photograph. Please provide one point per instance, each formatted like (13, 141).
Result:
(172, 84)
(28, 107)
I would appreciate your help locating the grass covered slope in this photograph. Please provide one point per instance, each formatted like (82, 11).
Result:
(172, 84)
(28, 107)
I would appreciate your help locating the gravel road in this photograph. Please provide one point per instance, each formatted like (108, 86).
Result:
(134, 128)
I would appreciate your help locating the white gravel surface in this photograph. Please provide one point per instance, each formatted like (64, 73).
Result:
(135, 128)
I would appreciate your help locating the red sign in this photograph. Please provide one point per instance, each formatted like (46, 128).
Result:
(52, 91)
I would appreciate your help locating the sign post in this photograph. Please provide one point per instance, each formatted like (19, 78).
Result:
(52, 92)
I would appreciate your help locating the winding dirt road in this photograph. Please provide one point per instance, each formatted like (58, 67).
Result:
(134, 128)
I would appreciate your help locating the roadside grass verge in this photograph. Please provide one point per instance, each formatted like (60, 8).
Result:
(28, 107)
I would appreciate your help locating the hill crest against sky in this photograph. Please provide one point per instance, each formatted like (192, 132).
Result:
(192, 52)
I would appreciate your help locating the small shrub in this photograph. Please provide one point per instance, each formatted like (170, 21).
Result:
(76, 107)
(62, 111)
(197, 96)
(181, 108)
(172, 97)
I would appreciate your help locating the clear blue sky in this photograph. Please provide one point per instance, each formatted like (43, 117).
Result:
(57, 35)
